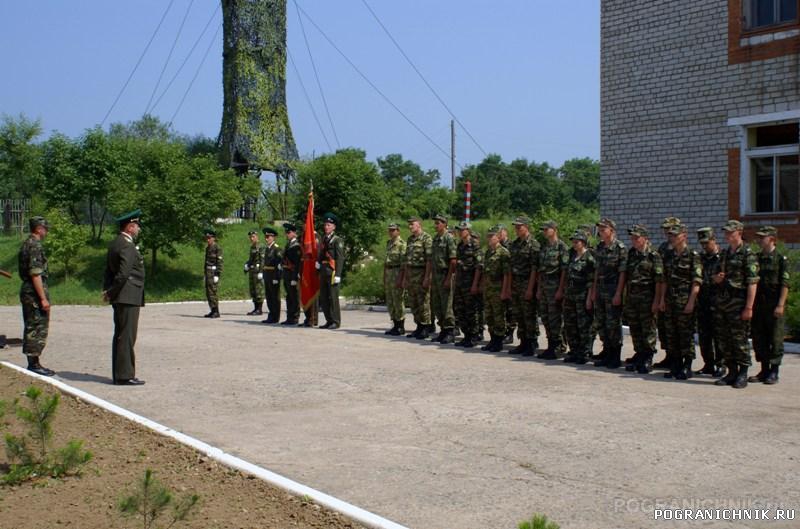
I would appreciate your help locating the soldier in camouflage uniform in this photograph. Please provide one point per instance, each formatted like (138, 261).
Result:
(443, 263)
(253, 270)
(609, 283)
(553, 261)
(707, 332)
(577, 316)
(290, 272)
(771, 294)
(511, 325)
(524, 268)
(496, 286)
(213, 269)
(479, 308)
(644, 288)
(34, 296)
(417, 277)
(467, 287)
(737, 281)
(665, 250)
(393, 280)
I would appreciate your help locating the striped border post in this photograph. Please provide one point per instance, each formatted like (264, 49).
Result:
(467, 201)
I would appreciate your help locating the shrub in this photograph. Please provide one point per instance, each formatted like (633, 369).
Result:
(150, 499)
(539, 521)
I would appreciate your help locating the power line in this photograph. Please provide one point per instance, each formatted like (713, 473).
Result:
(169, 56)
(136, 67)
(308, 100)
(374, 87)
(424, 80)
(196, 73)
(316, 74)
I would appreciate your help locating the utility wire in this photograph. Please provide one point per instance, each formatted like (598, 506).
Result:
(186, 59)
(374, 87)
(419, 73)
(136, 67)
(196, 73)
(316, 74)
(169, 56)
(308, 100)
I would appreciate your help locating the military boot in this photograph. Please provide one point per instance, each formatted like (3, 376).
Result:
(761, 375)
(685, 371)
(772, 376)
(674, 369)
(448, 336)
(633, 362)
(427, 331)
(582, 357)
(644, 364)
(214, 313)
(741, 378)
(256, 309)
(614, 360)
(399, 328)
(416, 332)
(666, 363)
(730, 378)
(392, 330)
(519, 348)
(496, 344)
(528, 348)
(490, 345)
(508, 338)
(440, 336)
(549, 353)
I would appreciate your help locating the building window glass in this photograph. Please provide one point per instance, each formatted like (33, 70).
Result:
(774, 166)
(765, 13)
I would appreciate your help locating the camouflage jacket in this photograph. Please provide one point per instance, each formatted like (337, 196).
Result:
(712, 265)
(524, 256)
(741, 269)
(644, 269)
(213, 260)
(496, 263)
(580, 273)
(443, 249)
(684, 270)
(395, 253)
(418, 250)
(611, 261)
(32, 260)
(553, 259)
(469, 259)
(773, 275)
(255, 259)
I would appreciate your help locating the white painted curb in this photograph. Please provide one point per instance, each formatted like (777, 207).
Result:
(356, 513)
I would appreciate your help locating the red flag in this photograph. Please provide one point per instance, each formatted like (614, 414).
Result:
(309, 281)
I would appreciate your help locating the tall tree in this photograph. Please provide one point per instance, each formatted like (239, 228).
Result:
(20, 161)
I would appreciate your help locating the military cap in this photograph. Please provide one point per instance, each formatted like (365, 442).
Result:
(767, 231)
(440, 218)
(330, 217)
(579, 235)
(606, 223)
(522, 220)
(705, 234)
(393, 226)
(289, 226)
(499, 227)
(127, 218)
(733, 225)
(638, 230)
(668, 222)
(587, 229)
(414, 219)
(676, 229)
(269, 230)
(549, 224)
(492, 231)
(475, 235)
(251, 233)
(464, 225)
(35, 222)
(208, 232)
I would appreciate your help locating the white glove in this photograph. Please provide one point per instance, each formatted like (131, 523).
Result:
(293, 283)
(274, 281)
(213, 267)
(216, 279)
(260, 276)
(280, 267)
(336, 280)
(246, 267)
(317, 265)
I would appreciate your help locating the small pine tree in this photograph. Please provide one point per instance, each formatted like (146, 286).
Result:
(150, 499)
(539, 521)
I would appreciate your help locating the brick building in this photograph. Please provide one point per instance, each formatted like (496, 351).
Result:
(700, 107)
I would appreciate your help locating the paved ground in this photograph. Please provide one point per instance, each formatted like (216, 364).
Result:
(436, 437)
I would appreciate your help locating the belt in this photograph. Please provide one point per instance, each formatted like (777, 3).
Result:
(269, 268)
(210, 267)
(523, 274)
(416, 266)
(392, 266)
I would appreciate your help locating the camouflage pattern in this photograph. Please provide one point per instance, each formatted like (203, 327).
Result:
(213, 268)
(553, 260)
(666, 252)
(32, 260)
(395, 254)
(611, 262)
(741, 269)
(524, 259)
(254, 263)
(707, 331)
(577, 320)
(291, 274)
(466, 304)
(511, 324)
(418, 253)
(496, 263)
(768, 330)
(271, 268)
(443, 250)
(685, 270)
(644, 272)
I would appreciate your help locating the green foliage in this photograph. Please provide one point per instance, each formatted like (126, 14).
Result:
(582, 175)
(792, 310)
(568, 220)
(151, 499)
(64, 241)
(538, 521)
(20, 159)
(413, 191)
(365, 283)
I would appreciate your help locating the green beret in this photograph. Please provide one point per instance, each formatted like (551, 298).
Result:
(733, 225)
(705, 234)
(269, 230)
(767, 231)
(127, 218)
(522, 220)
(35, 222)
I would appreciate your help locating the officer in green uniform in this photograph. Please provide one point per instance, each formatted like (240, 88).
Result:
(467, 285)
(665, 250)
(496, 286)
(644, 288)
(524, 267)
(707, 331)
(607, 289)
(34, 295)
(393, 280)
(737, 281)
(330, 262)
(577, 314)
(553, 261)
(771, 294)
(505, 242)
(253, 270)
(213, 269)
(417, 277)
(271, 272)
(443, 267)
(291, 274)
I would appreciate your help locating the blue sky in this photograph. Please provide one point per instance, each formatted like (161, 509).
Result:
(522, 75)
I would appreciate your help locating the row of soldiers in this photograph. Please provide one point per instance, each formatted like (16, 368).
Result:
(580, 291)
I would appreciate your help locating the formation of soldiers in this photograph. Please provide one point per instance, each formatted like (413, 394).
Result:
(727, 295)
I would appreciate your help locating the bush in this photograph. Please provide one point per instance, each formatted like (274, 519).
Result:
(365, 282)
(150, 499)
(539, 521)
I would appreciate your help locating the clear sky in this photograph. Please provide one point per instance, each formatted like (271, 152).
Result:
(521, 75)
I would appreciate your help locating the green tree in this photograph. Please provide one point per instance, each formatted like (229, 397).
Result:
(414, 191)
(63, 187)
(64, 241)
(583, 176)
(20, 159)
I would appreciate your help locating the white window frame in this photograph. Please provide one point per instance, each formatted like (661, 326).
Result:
(746, 152)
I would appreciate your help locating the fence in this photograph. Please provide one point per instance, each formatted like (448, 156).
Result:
(14, 212)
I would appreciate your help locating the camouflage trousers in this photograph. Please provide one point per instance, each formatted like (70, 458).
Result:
(663, 335)
(442, 300)
(680, 327)
(419, 299)
(767, 333)
(511, 324)
(524, 310)
(707, 331)
(609, 317)
(552, 313)
(36, 320)
(394, 295)
(578, 322)
(641, 320)
(212, 290)
(256, 287)
(465, 306)
(495, 309)
(733, 331)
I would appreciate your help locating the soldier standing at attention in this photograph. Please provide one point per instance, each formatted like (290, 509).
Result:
(467, 286)
(737, 281)
(553, 261)
(609, 282)
(496, 289)
(645, 283)
(330, 262)
(505, 242)
(417, 277)
(706, 328)
(393, 280)
(253, 270)
(771, 294)
(273, 256)
(665, 250)
(213, 264)
(443, 264)
(524, 267)
(291, 273)
(577, 303)
(34, 296)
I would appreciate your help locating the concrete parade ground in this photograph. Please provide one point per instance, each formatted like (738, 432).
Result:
(436, 437)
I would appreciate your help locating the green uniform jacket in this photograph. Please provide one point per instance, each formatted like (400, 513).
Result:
(331, 248)
(291, 260)
(213, 259)
(123, 280)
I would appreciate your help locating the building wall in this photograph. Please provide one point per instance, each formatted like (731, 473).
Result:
(672, 74)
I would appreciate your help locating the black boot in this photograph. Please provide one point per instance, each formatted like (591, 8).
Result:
(35, 367)
(645, 364)
(528, 349)
(614, 360)
(772, 376)
(392, 330)
(214, 313)
(426, 332)
(399, 328)
(210, 314)
(549, 353)
(490, 345)
(416, 332)
(666, 363)
(448, 337)
(741, 378)
(519, 348)
(256, 309)
(730, 378)
(674, 368)
(495, 344)
(685, 371)
(438, 337)
(466, 341)
(509, 337)
(761, 375)
(633, 362)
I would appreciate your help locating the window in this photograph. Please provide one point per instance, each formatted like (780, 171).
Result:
(773, 157)
(765, 13)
